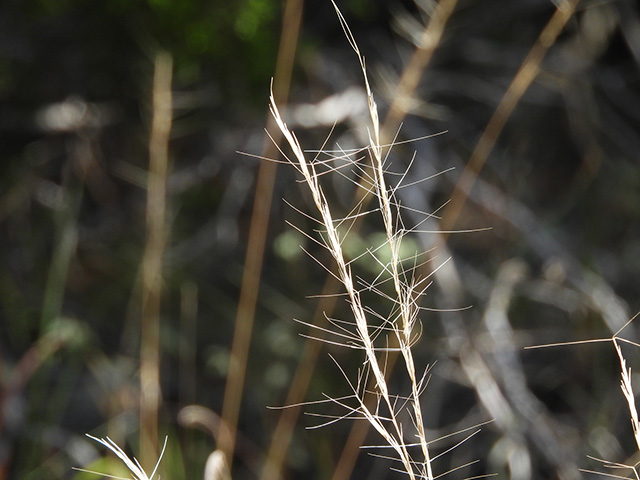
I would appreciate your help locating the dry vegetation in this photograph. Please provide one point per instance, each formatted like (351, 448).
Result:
(145, 295)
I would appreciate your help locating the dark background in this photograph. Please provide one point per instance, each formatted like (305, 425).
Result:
(560, 190)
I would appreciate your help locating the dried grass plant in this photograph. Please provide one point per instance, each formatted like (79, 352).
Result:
(370, 331)
(401, 281)
(132, 464)
(626, 385)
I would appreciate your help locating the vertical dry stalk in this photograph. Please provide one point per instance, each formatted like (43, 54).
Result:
(521, 81)
(292, 18)
(403, 319)
(283, 433)
(394, 435)
(429, 41)
(406, 296)
(150, 395)
(407, 83)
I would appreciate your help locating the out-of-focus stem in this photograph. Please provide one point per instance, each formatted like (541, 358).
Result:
(291, 20)
(412, 73)
(150, 394)
(521, 82)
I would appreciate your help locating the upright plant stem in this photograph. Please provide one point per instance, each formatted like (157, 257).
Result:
(431, 38)
(150, 394)
(66, 239)
(283, 433)
(292, 17)
(521, 82)
(429, 41)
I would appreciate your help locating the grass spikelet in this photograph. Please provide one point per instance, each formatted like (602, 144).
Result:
(396, 282)
(627, 390)
(137, 472)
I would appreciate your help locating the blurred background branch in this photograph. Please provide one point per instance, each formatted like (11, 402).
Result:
(153, 257)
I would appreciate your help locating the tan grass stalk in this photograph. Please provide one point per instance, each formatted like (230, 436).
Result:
(394, 434)
(249, 289)
(429, 40)
(523, 79)
(283, 432)
(407, 292)
(152, 261)
(281, 437)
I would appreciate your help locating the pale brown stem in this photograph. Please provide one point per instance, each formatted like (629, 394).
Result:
(150, 394)
(412, 73)
(521, 82)
(292, 18)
